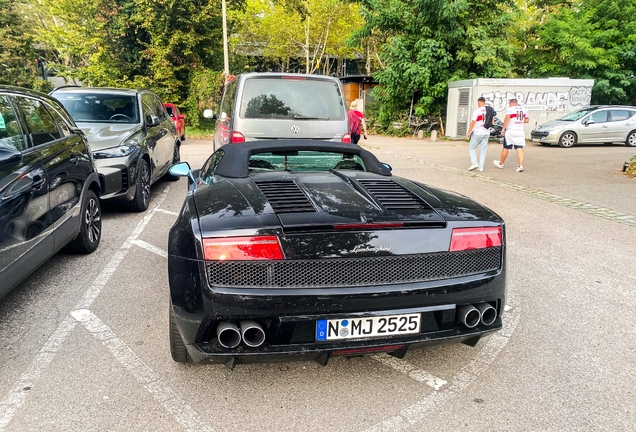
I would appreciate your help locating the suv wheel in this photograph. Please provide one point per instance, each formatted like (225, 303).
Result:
(91, 226)
(141, 199)
(631, 139)
(568, 139)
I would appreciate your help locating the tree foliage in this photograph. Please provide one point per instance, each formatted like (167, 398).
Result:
(17, 58)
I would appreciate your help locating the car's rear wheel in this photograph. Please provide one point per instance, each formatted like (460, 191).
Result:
(141, 200)
(178, 349)
(90, 226)
(631, 139)
(568, 139)
(176, 158)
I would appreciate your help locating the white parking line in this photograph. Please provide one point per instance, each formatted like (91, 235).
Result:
(466, 376)
(168, 212)
(411, 371)
(152, 382)
(151, 248)
(14, 400)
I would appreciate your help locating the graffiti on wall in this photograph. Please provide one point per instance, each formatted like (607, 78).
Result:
(542, 101)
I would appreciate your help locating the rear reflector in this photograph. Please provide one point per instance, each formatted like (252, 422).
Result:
(379, 225)
(352, 351)
(237, 137)
(346, 138)
(475, 238)
(242, 248)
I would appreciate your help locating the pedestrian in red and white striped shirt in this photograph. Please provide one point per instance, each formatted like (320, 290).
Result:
(514, 134)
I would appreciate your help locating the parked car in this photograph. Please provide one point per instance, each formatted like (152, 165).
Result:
(297, 249)
(178, 119)
(133, 139)
(49, 186)
(601, 124)
(264, 106)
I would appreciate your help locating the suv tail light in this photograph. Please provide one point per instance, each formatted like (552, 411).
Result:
(242, 248)
(237, 137)
(475, 238)
(346, 138)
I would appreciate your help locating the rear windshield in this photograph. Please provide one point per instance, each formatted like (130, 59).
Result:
(291, 98)
(100, 108)
(304, 161)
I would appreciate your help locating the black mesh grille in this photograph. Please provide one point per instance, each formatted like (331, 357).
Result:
(124, 179)
(285, 196)
(391, 195)
(350, 272)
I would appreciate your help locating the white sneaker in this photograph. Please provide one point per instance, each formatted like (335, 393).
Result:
(519, 169)
(473, 167)
(481, 169)
(497, 164)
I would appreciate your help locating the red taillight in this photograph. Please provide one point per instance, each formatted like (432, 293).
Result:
(475, 238)
(242, 248)
(351, 351)
(237, 137)
(346, 138)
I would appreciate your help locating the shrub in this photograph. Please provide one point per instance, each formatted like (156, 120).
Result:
(205, 91)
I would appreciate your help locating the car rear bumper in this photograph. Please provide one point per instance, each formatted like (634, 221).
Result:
(288, 316)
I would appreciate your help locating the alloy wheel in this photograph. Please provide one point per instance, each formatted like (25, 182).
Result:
(93, 221)
(568, 139)
(145, 183)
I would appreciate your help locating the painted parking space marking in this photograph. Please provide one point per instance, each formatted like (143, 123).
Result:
(411, 371)
(462, 379)
(152, 248)
(14, 400)
(603, 212)
(150, 380)
(170, 212)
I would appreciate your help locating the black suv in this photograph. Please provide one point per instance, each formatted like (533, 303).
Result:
(133, 139)
(49, 186)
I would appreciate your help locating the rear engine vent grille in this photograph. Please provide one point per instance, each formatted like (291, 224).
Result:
(392, 196)
(352, 272)
(285, 196)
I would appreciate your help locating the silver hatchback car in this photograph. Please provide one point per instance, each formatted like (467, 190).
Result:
(604, 124)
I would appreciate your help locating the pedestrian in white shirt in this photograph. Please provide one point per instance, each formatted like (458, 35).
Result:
(478, 136)
(514, 134)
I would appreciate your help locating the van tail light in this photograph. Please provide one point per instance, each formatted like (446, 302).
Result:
(237, 137)
(475, 238)
(242, 248)
(346, 138)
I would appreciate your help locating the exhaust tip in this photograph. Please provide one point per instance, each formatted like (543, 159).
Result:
(487, 312)
(469, 315)
(228, 334)
(252, 333)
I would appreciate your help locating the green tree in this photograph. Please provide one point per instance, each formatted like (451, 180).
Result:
(431, 42)
(587, 39)
(17, 58)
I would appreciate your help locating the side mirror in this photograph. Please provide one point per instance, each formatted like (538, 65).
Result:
(9, 155)
(181, 117)
(589, 122)
(209, 114)
(387, 166)
(182, 169)
(152, 120)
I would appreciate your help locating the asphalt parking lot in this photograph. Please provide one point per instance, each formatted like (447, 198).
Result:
(84, 342)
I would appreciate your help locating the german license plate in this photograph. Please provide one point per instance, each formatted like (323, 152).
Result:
(535, 139)
(354, 328)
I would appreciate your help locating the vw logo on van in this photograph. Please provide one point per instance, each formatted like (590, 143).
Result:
(295, 129)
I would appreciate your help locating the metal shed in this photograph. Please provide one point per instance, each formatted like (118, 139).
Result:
(545, 99)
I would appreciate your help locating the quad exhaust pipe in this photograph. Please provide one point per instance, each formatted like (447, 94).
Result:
(230, 335)
(471, 316)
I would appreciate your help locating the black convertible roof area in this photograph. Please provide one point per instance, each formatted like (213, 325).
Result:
(235, 161)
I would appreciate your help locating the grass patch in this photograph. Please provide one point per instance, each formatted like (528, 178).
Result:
(631, 169)
(205, 129)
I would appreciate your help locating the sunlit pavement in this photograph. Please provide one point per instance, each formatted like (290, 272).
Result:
(84, 342)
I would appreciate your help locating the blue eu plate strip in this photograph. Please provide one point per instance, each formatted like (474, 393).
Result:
(321, 330)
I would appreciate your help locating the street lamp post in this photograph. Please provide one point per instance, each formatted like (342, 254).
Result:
(226, 62)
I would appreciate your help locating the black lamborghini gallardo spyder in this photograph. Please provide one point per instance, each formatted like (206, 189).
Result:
(289, 249)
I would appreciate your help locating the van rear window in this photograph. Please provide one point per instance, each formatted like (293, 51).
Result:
(281, 98)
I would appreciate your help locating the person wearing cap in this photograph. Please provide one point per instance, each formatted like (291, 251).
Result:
(356, 119)
(514, 134)
(478, 136)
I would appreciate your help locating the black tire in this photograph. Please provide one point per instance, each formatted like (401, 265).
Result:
(567, 139)
(178, 349)
(90, 232)
(176, 158)
(141, 200)
(631, 139)
(183, 136)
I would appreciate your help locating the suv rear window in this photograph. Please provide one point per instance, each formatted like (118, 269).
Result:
(291, 98)
(100, 108)
(304, 161)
